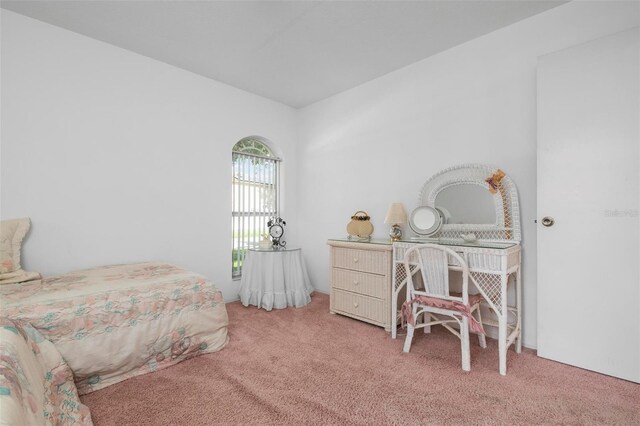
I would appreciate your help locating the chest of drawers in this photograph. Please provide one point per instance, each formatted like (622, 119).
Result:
(361, 281)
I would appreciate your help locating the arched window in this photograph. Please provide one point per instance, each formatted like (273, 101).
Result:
(255, 195)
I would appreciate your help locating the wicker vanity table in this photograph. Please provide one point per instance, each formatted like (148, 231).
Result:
(368, 278)
(472, 209)
(480, 220)
(490, 266)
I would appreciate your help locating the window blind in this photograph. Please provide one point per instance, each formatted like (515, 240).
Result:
(255, 199)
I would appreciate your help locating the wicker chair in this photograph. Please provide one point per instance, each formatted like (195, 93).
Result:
(435, 301)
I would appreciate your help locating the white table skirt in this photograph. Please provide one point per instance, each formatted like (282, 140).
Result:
(275, 279)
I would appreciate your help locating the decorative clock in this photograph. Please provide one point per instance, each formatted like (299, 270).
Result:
(276, 231)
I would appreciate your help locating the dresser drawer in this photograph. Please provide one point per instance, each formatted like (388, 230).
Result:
(365, 307)
(359, 282)
(372, 261)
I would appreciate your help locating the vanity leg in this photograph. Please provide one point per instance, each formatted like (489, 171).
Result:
(394, 312)
(502, 347)
(502, 327)
(519, 308)
(394, 297)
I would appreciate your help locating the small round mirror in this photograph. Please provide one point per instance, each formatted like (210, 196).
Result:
(425, 220)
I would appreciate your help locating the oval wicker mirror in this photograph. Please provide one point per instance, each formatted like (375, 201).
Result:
(500, 224)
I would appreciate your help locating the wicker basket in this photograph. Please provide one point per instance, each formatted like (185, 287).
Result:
(360, 225)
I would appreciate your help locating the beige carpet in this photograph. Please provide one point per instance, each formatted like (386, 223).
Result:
(305, 366)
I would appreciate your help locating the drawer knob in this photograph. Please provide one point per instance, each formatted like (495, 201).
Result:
(355, 282)
(355, 260)
(355, 304)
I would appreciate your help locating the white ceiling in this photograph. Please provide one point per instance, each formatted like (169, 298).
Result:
(294, 52)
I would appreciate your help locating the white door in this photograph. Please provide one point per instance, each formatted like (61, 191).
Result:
(588, 182)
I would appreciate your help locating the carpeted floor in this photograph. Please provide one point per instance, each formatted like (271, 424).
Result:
(305, 366)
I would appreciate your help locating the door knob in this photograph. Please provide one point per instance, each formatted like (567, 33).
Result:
(548, 221)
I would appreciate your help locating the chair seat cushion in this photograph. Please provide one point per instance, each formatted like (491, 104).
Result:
(474, 299)
(451, 305)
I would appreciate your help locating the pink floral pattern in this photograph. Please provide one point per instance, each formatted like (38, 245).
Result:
(36, 385)
(142, 317)
(7, 265)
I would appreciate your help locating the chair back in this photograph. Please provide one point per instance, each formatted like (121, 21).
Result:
(432, 261)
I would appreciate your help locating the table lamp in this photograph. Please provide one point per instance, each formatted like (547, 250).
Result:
(396, 216)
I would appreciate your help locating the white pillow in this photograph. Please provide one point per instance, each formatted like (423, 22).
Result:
(12, 232)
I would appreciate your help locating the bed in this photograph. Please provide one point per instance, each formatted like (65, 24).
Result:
(36, 385)
(116, 322)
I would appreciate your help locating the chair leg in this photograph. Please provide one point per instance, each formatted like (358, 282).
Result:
(481, 337)
(408, 339)
(426, 318)
(464, 344)
(410, 330)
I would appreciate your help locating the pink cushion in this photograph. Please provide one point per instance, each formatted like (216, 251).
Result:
(474, 299)
(451, 305)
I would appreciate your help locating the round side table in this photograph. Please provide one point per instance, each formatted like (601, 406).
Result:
(275, 279)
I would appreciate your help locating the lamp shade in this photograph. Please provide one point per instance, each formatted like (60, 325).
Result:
(396, 215)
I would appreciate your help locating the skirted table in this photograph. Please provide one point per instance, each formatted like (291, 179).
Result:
(275, 278)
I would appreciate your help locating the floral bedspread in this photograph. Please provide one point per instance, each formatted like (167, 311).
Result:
(36, 385)
(120, 321)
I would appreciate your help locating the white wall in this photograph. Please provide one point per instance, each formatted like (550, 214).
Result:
(476, 103)
(120, 158)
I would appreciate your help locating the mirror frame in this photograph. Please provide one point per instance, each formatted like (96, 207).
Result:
(507, 226)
